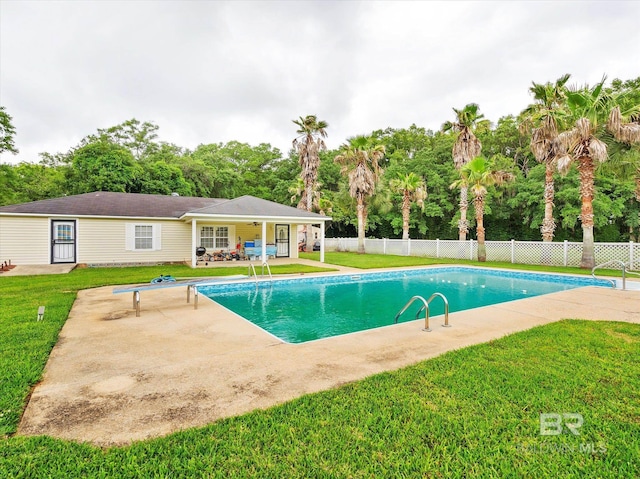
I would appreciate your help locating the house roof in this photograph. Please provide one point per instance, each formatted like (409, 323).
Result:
(253, 207)
(102, 203)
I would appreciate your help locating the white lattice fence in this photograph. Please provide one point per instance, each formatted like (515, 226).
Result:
(538, 252)
(398, 247)
(498, 250)
(625, 252)
(341, 244)
(453, 249)
(521, 252)
(426, 248)
(374, 246)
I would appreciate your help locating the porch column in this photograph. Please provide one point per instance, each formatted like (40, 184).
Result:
(194, 235)
(322, 241)
(264, 241)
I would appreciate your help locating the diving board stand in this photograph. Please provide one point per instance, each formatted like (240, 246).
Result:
(192, 285)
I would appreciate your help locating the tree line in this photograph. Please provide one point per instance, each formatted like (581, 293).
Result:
(393, 182)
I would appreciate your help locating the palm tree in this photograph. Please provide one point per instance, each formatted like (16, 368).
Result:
(591, 109)
(478, 174)
(360, 159)
(308, 144)
(413, 189)
(544, 116)
(466, 147)
(298, 192)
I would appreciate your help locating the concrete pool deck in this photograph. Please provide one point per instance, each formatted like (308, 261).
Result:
(113, 378)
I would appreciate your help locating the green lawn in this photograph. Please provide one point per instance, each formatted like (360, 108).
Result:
(474, 412)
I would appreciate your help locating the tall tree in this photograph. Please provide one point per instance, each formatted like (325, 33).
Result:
(308, 144)
(103, 166)
(543, 115)
(477, 175)
(360, 160)
(627, 130)
(466, 147)
(413, 189)
(591, 108)
(161, 178)
(139, 138)
(7, 132)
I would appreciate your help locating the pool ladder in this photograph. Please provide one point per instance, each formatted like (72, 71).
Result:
(253, 268)
(623, 267)
(425, 308)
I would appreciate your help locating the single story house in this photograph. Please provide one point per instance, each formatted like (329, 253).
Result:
(106, 228)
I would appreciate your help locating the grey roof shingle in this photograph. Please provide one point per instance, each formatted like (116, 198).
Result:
(252, 206)
(102, 203)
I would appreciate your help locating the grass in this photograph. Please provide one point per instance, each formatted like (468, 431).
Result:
(469, 413)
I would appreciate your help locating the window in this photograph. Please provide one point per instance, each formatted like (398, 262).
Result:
(222, 237)
(216, 238)
(144, 237)
(64, 232)
(206, 237)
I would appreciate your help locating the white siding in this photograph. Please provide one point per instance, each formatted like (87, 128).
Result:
(25, 240)
(104, 241)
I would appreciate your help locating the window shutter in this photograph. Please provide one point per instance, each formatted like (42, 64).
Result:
(130, 236)
(157, 237)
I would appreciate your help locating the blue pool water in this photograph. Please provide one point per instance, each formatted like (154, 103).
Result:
(306, 309)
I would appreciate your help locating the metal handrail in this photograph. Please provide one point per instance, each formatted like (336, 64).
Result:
(268, 270)
(426, 307)
(609, 263)
(252, 267)
(255, 274)
(446, 308)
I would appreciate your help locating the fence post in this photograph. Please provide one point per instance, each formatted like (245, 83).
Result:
(437, 247)
(384, 245)
(631, 254)
(566, 252)
(470, 249)
(409, 247)
(513, 251)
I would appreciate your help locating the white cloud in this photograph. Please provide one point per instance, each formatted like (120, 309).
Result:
(209, 72)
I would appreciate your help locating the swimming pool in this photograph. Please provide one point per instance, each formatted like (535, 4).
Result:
(301, 310)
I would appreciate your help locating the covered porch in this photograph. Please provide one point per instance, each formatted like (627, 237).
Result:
(249, 227)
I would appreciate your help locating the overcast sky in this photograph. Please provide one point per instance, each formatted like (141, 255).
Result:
(213, 71)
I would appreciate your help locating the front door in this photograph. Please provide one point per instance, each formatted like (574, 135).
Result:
(63, 241)
(282, 241)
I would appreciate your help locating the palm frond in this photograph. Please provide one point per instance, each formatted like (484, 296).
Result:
(624, 132)
(598, 150)
(564, 163)
(584, 128)
(466, 147)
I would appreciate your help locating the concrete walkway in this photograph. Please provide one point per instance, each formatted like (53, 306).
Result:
(114, 378)
(36, 269)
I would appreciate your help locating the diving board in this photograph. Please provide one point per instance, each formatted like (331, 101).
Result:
(191, 284)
